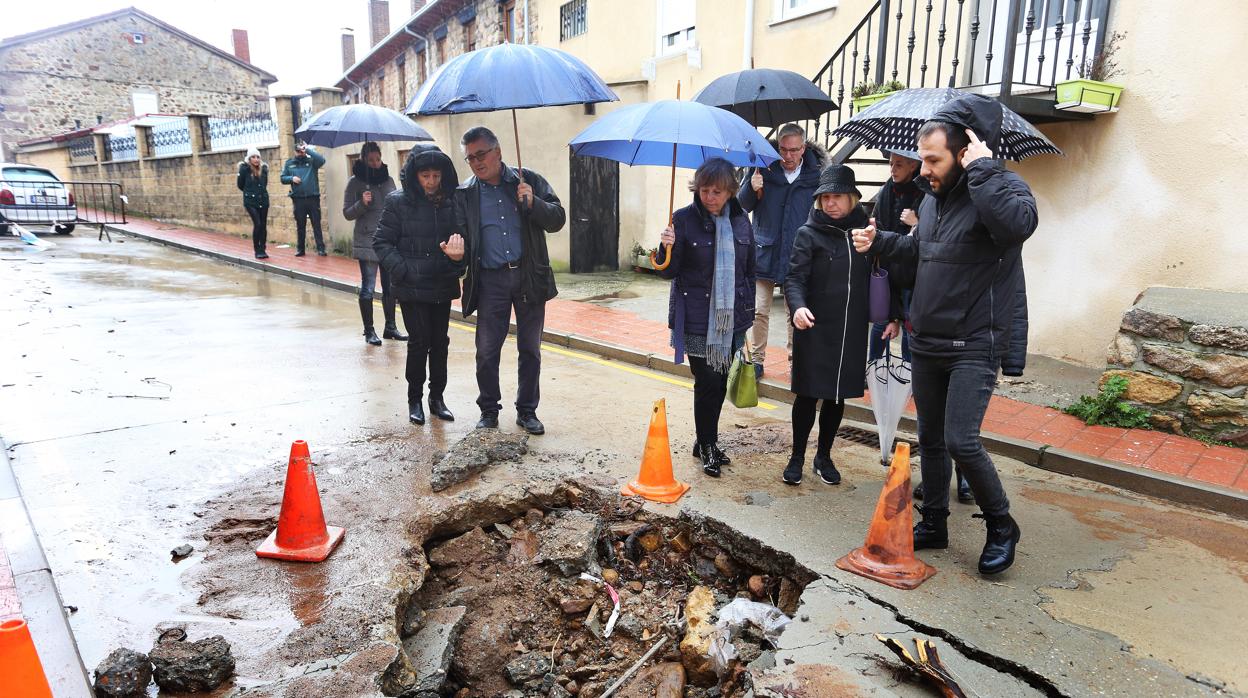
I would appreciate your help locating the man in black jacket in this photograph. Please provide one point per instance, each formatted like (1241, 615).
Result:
(504, 215)
(416, 243)
(968, 245)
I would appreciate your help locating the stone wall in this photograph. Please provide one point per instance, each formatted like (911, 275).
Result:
(1184, 353)
(48, 84)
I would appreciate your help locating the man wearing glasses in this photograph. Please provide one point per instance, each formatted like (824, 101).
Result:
(779, 197)
(504, 215)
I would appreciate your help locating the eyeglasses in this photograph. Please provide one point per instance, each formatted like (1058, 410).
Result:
(478, 156)
(792, 151)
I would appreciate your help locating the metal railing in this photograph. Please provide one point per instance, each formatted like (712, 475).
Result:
(60, 206)
(1005, 48)
(82, 150)
(172, 137)
(256, 129)
(122, 146)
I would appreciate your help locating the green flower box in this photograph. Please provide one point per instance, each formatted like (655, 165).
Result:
(1088, 96)
(865, 101)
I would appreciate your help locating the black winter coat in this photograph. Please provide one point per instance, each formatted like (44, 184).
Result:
(781, 210)
(968, 247)
(832, 280)
(366, 217)
(546, 215)
(692, 270)
(411, 228)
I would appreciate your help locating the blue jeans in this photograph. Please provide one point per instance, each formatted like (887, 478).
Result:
(875, 347)
(368, 280)
(951, 396)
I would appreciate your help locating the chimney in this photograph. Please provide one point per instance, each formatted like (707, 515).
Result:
(242, 49)
(378, 21)
(417, 5)
(348, 50)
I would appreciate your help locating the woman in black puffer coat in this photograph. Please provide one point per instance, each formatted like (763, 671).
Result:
(826, 288)
(417, 243)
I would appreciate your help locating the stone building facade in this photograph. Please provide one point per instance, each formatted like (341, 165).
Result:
(109, 67)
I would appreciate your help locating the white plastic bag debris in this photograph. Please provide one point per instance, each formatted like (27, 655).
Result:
(30, 238)
(735, 615)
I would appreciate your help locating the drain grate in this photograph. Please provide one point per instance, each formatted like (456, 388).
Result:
(867, 437)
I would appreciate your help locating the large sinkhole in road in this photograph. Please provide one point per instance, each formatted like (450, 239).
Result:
(505, 611)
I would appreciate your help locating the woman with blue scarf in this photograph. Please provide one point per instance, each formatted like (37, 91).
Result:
(712, 299)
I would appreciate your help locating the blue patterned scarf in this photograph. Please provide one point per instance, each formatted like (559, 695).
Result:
(720, 324)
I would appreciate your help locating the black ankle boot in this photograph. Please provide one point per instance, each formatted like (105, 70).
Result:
(964, 488)
(711, 463)
(1003, 535)
(416, 413)
(932, 533)
(366, 315)
(392, 329)
(438, 408)
(723, 457)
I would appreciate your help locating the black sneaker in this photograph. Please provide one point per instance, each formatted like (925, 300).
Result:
(826, 470)
(793, 471)
(489, 420)
(321, 253)
(300, 253)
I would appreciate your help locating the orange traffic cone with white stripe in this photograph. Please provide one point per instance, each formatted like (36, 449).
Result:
(301, 533)
(888, 555)
(21, 673)
(656, 481)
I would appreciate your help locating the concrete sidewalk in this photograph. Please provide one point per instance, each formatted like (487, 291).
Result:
(1150, 462)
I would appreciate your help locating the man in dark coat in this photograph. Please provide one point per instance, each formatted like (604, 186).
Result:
(417, 244)
(305, 194)
(505, 215)
(895, 206)
(968, 244)
(779, 197)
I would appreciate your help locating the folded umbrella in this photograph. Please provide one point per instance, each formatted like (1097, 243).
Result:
(888, 383)
(893, 123)
(767, 97)
(355, 123)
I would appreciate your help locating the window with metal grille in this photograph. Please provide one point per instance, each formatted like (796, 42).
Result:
(572, 19)
(470, 35)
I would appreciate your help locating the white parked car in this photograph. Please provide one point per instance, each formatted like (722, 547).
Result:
(34, 196)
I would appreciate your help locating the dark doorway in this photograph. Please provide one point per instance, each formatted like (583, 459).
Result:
(595, 209)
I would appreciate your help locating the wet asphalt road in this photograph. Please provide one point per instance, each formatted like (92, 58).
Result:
(142, 386)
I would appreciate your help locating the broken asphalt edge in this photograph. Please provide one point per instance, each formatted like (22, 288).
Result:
(41, 604)
(1138, 480)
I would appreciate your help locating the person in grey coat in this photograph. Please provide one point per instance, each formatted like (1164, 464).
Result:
(366, 190)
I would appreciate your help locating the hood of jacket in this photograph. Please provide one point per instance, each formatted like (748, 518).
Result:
(367, 174)
(981, 114)
(423, 157)
(813, 162)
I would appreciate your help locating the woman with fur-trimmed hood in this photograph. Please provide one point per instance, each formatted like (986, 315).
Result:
(369, 184)
(779, 196)
(253, 181)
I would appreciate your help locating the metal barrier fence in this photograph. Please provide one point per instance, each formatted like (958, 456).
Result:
(60, 206)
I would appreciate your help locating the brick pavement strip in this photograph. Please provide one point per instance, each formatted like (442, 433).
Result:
(1017, 427)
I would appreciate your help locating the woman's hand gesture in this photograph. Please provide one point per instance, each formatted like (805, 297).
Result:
(803, 319)
(453, 247)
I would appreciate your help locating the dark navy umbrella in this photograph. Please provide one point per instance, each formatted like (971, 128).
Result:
(893, 124)
(767, 97)
(674, 133)
(509, 76)
(356, 123)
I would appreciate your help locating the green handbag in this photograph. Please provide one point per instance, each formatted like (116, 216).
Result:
(742, 385)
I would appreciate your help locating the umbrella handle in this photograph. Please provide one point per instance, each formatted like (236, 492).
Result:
(667, 259)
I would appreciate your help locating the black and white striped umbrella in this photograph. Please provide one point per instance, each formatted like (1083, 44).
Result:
(893, 124)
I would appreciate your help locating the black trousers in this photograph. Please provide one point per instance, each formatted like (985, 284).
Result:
(308, 207)
(804, 420)
(259, 226)
(950, 397)
(499, 291)
(428, 342)
(709, 389)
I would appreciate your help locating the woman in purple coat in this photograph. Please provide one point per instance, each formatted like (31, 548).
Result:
(712, 299)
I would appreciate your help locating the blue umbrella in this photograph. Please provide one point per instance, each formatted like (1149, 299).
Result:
(356, 123)
(675, 133)
(509, 76)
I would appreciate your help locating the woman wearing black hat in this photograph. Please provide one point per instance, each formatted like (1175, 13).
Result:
(827, 286)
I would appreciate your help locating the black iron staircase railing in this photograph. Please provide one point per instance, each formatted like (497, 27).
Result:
(1016, 50)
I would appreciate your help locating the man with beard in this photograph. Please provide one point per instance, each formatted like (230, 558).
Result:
(968, 246)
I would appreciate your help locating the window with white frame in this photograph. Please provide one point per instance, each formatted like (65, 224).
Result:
(677, 32)
(791, 9)
(572, 19)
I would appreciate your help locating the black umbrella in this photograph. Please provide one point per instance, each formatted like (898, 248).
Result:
(893, 124)
(766, 97)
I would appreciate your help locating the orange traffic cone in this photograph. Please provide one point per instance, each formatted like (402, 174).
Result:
(21, 673)
(888, 556)
(301, 533)
(655, 481)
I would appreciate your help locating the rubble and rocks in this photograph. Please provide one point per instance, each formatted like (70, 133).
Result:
(474, 453)
(124, 673)
(470, 547)
(570, 542)
(528, 667)
(431, 649)
(181, 551)
(695, 648)
(187, 667)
